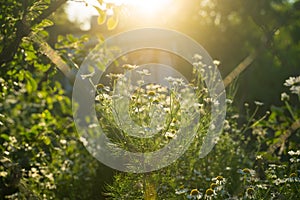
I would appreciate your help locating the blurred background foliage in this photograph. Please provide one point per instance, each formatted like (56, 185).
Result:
(40, 154)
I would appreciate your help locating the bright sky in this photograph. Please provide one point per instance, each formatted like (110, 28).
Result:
(80, 12)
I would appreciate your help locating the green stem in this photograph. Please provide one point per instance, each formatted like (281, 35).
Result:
(290, 110)
(250, 119)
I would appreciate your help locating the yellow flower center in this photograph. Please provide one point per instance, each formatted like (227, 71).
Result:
(209, 192)
(194, 192)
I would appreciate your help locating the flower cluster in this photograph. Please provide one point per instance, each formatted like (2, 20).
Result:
(157, 110)
(294, 84)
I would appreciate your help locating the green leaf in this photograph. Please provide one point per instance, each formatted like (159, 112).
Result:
(112, 23)
(5, 137)
(21, 75)
(60, 38)
(30, 56)
(47, 23)
(47, 140)
(102, 15)
(71, 38)
(101, 19)
(31, 84)
(43, 34)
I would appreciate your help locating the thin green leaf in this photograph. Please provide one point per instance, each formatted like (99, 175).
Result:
(112, 23)
(102, 15)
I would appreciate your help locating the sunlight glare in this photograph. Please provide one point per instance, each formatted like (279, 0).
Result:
(144, 7)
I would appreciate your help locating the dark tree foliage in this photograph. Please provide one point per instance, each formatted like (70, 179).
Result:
(41, 156)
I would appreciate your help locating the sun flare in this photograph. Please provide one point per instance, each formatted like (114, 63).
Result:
(145, 11)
